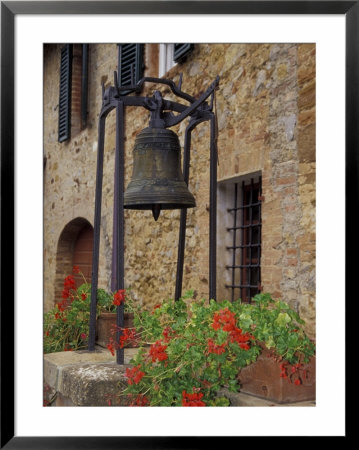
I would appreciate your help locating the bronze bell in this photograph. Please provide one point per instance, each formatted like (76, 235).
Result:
(157, 181)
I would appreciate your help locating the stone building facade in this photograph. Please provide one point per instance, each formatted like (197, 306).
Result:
(266, 148)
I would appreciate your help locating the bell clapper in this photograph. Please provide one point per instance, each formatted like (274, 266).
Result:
(156, 210)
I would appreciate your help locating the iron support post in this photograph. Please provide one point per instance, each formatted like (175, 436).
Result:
(213, 210)
(183, 217)
(118, 246)
(96, 239)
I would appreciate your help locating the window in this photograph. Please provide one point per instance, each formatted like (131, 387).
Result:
(171, 54)
(166, 59)
(241, 236)
(180, 52)
(73, 90)
(130, 64)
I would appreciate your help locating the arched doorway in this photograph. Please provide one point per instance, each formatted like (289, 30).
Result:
(74, 248)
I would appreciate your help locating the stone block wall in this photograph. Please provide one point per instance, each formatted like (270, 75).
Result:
(266, 124)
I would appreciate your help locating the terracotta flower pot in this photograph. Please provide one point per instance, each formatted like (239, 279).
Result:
(262, 379)
(104, 326)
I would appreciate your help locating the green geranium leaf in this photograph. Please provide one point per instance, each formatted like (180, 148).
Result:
(220, 401)
(282, 319)
(270, 342)
(188, 294)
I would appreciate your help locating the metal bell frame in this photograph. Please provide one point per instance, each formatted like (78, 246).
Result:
(199, 110)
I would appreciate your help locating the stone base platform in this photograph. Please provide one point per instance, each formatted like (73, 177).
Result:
(85, 378)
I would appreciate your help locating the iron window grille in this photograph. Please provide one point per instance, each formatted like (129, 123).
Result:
(130, 65)
(246, 245)
(64, 131)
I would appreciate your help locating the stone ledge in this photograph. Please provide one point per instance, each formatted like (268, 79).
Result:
(84, 378)
(92, 384)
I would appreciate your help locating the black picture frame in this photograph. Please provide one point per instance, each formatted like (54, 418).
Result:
(9, 9)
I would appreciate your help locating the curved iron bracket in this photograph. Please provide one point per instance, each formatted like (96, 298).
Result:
(158, 106)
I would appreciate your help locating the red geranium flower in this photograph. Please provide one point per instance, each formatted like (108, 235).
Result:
(283, 373)
(134, 375)
(142, 400)
(111, 347)
(244, 346)
(61, 306)
(192, 399)
(69, 282)
(119, 297)
(214, 348)
(139, 400)
(168, 333)
(236, 335)
(225, 319)
(158, 351)
(76, 269)
(127, 335)
(156, 307)
(216, 325)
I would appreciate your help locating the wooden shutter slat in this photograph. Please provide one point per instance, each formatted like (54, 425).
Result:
(128, 50)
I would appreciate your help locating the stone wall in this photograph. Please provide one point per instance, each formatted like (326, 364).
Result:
(266, 123)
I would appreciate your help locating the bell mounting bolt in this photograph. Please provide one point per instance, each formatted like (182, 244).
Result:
(155, 105)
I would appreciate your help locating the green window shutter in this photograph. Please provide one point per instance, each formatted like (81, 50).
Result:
(130, 65)
(181, 51)
(65, 93)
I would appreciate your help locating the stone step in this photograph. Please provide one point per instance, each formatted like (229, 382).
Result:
(82, 378)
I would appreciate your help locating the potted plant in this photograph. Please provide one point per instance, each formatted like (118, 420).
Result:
(189, 350)
(284, 371)
(107, 319)
(66, 326)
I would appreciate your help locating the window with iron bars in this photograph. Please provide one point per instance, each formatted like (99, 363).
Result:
(245, 234)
